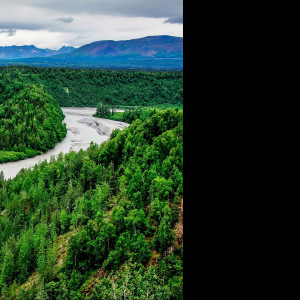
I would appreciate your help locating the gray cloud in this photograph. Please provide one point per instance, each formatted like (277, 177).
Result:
(48, 23)
(131, 8)
(65, 20)
(23, 25)
(175, 20)
(36, 14)
(8, 32)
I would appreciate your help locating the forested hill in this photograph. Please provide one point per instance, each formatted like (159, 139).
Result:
(30, 121)
(105, 223)
(81, 88)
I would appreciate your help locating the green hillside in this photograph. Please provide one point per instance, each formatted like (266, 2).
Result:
(105, 223)
(81, 88)
(30, 122)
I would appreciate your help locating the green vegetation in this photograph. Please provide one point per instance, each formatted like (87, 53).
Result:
(128, 116)
(103, 110)
(81, 88)
(30, 122)
(105, 223)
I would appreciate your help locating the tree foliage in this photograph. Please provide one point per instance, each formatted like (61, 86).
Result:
(30, 122)
(81, 88)
(100, 223)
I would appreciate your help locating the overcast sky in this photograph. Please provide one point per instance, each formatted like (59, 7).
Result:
(55, 23)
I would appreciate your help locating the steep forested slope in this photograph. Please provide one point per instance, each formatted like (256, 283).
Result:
(81, 88)
(30, 122)
(105, 223)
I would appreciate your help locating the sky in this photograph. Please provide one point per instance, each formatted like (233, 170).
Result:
(56, 23)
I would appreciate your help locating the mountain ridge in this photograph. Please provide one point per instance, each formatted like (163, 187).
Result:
(161, 52)
(26, 51)
(151, 46)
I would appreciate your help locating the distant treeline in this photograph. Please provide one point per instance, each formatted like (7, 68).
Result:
(81, 88)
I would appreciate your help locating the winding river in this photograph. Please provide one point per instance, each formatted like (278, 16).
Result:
(83, 129)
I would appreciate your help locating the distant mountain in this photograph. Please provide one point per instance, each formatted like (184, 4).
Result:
(152, 52)
(63, 50)
(17, 52)
(148, 47)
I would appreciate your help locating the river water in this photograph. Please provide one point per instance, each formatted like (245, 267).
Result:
(83, 129)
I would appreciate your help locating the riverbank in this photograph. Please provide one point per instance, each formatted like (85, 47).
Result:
(83, 129)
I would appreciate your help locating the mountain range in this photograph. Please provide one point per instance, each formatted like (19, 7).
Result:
(152, 52)
(16, 52)
(154, 46)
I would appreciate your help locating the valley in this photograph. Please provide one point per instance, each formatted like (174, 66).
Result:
(96, 209)
(91, 150)
(83, 129)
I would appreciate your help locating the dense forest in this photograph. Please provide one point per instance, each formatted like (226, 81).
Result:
(81, 88)
(30, 121)
(105, 223)
(127, 116)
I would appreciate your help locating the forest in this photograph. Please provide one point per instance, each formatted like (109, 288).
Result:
(85, 87)
(105, 223)
(31, 122)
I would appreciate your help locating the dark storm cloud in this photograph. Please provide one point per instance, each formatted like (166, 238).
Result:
(131, 8)
(54, 23)
(65, 20)
(27, 14)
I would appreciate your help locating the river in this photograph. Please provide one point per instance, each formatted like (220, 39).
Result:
(83, 129)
